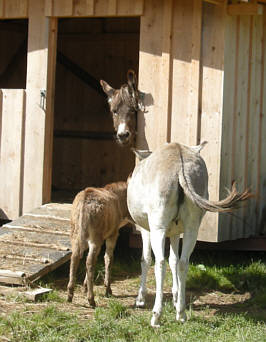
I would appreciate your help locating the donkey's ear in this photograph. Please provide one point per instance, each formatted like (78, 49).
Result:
(132, 79)
(109, 91)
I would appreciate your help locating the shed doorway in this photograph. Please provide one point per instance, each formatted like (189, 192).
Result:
(84, 149)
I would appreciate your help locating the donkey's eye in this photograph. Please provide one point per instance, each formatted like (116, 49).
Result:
(115, 112)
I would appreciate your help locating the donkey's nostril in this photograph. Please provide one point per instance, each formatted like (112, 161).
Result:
(123, 135)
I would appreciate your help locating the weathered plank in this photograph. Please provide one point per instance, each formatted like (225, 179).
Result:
(35, 244)
(11, 152)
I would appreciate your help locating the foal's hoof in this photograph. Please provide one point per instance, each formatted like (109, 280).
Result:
(92, 303)
(70, 297)
(108, 292)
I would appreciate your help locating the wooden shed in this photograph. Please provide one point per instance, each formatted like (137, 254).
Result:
(201, 65)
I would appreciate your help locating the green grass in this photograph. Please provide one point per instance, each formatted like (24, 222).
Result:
(115, 323)
(227, 273)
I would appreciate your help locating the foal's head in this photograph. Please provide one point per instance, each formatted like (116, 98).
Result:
(124, 105)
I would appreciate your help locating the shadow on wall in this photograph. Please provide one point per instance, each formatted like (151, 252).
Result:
(146, 101)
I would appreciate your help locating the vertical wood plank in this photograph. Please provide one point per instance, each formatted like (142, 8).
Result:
(130, 8)
(152, 125)
(38, 42)
(50, 96)
(112, 7)
(211, 106)
(228, 127)
(49, 8)
(11, 157)
(241, 115)
(63, 8)
(84, 7)
(2, 8)
(194, 91)
(261, 182)
(181, 70)
(16, 9)
(251, 211)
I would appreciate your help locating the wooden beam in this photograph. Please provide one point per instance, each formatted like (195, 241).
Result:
(216, 2)
(36, 115)
(82, 74)
(245, 9)
(50, 95)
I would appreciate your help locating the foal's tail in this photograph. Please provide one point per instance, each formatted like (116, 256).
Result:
(81, 229)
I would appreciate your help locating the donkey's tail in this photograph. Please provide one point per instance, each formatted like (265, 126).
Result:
(228, 204)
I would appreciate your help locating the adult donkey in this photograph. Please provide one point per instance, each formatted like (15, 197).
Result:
(124, 105)
(168, 195)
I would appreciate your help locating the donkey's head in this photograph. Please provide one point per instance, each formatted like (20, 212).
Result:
(124, 105)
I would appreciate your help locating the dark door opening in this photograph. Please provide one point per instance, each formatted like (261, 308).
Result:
(13, 57)
(85, 152)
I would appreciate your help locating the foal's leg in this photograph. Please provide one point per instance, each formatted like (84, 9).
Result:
(94, 250)
(108, 260)
(74, 263)
(145, 264)
(157, 243)
(173, 262)
(189, 241)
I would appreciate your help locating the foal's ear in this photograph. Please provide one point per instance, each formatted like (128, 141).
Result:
(132, 79)
(109, 91)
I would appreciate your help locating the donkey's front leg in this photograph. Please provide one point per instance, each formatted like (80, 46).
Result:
(145, 264)
(157, 236)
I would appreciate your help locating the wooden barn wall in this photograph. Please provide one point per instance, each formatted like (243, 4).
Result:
(12, 124)
(72, 8)
(182, 42)
(244, 125)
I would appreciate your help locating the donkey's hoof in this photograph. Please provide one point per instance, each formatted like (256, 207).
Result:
(155, 320)
(70, 298)
(181, 317)
(140, 303)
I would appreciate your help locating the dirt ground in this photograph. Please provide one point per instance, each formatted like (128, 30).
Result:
(125, 290)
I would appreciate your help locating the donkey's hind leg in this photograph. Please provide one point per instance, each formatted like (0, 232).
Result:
(173, 263)
(145, 265)
(108, 260)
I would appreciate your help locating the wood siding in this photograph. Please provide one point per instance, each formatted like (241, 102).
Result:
(12, 123)
(244, 125)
